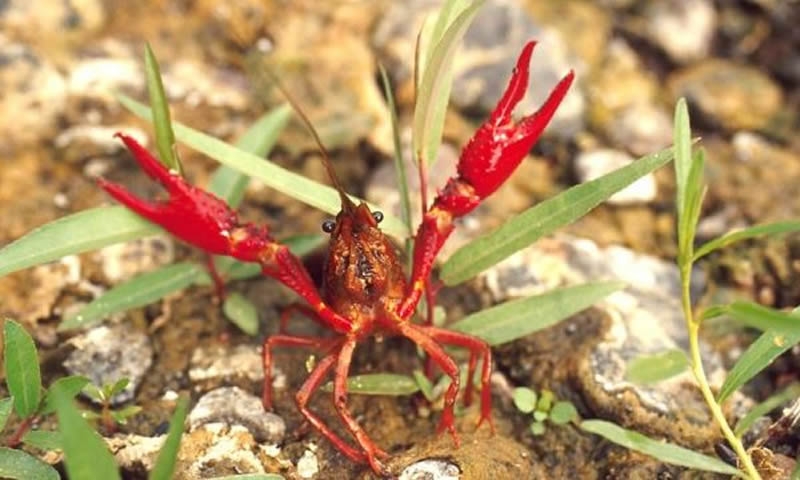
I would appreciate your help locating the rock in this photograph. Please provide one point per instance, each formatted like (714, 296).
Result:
(111, 69)
(643, 319)
(106, 354)
(123, 261)
(594, 164)
(234, 406)
(45, 20)
(82, 142)
(223, 363)
(217, 450)
(308, 465)
(641, 128)
(431, 470)
(683, 29)
(34, 95)
(738, 97)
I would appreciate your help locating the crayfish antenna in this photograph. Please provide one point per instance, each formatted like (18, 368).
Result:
(347, 204)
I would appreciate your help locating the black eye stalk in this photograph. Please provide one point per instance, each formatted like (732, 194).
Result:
(378, 216)
(328, 226)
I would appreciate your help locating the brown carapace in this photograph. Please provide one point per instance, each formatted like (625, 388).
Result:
(365, 291)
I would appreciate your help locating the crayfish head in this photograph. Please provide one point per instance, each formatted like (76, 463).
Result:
(362, 270)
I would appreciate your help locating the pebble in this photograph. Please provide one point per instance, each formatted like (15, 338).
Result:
(234, 406)
(594, 164)
(82, 142)
(684, 29)
(221, 363)
(431, 470)
(123, 261)
(217, 450)
(308, 465)
(106, 354)
(641, 128)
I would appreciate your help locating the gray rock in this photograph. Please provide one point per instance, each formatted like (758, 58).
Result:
(82, 142)
(219, 362)
(106, 354)
(594, 164)
(641, 128)
(683, 29)
(431, 470)
(234, 406)
(124, 261)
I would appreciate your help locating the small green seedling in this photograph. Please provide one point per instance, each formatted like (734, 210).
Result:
(543, 408)
(110, 418)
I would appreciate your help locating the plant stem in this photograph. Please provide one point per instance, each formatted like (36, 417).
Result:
(693, 327)
(16, 438)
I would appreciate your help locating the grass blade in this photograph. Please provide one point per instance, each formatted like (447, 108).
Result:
(76, 233)
(165, 463)
(695, 191)
(682, 140)
(21, 362)
(544, 218)
(758, 356)
(43, 440)
(434, 89)
(787, 394)
(292, 184)
(165, 138)
(85, 454)
(379, 384)
(241, 312)
(259, 140)
(19, 465)
(763, 318)
(515, 319)
(71, 386)
(647, 369)
(663, 451)
(744, 234)
(139, 291)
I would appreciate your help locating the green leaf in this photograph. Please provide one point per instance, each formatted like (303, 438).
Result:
(259, 139)
(242, 313)
(434, 88)
(399, 164)
(43, 440)
(774, 401)
(693, 204)
(19, 465)
(165, 138)
(22, 369)
(518, 318)
(165, 464)
(122, 415)
(563, 412)
(117, 387)
(250, 476)
(545, 402)
(763, 318)
(543, 219)
(85, 454)
(663, 451)
(76, 233)
(379, 384)
(425, 385)
(682, 140)
(540, 415)
(760, 354)
(5, 411)
(71, 385)
(538, 428)
(655, 367)
(524, 399)
(292, 184)
(744, 234)
(94, 392)
(138, 291)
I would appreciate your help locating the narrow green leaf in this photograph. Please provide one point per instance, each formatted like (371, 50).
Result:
(379, 384)
(117, 387)
(693, 203)
(19, 465)
(563, 412)
(71, 386)
(774, 401)
(647, 369)
(745, 234)
(544, 218)
(517, 318)
(399, 164)
(22, 369)
(758, 356)
(425, 385)
(259, 140)
(76, 233)
(434, 89)
(43, 440)
(663, 451)
(242, 313)
(85, 454)
(763, 318)
(138, 291)
(122, 415)
(682, 140)
(538, 428)
(165, 464)
(251, 476)
(165, 138)
(524, 399)
(292, 184)
(5, 411)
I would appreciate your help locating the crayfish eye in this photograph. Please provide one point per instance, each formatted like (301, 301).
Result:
(328, 226)
(378, 216)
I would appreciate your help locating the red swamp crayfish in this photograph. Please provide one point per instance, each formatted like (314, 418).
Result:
(364, 289)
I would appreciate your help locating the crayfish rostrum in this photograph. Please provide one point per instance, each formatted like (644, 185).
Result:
(364, 290)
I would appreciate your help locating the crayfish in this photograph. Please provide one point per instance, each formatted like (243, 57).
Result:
(364, 289)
